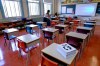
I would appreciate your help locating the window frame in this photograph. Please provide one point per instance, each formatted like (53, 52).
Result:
(19, 8)
(38, 2)
(44, 7)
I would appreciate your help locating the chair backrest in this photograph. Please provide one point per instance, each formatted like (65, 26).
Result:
(47, 62)
(29, 30)
(75, 21)
(61, 29)
(69, 19)
(47, 34)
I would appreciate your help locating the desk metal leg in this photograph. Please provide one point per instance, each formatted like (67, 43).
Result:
(5, 43)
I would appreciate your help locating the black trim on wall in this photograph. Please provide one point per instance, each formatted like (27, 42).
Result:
(98, 8)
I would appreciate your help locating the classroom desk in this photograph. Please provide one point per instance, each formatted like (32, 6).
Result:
(90, 25)
(11, 31)
(81, 36)
(89, 30)
(53, 18)
(57, 21)
(51, 50)
(29, 39)
(34, 27)
(52, 30)
(63, 27)
(10, 34)
(94, 22)
(42, 24)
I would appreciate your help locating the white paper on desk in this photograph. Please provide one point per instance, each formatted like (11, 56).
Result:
(66, 53)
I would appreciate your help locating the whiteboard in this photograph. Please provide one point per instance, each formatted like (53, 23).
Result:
(86, 9)
(63, 9)
(69, 10)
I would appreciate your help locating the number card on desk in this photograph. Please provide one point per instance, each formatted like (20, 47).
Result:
(66, 50)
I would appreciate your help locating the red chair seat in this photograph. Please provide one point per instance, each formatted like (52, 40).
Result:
(47, 62)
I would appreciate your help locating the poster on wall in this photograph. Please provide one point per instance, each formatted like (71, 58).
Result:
(70, 10)
(64, 9)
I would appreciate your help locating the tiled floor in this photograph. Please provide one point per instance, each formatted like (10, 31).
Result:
(90, 56)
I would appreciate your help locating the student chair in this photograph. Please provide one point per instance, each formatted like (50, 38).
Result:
(47, 62)
(53, 23)
(22, 46)
(69, 19)
(48, 35)
(29, 30)
(39, 26)
(61, 30)
(75, 22)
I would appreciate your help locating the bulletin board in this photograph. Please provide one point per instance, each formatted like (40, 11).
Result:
(68, 9)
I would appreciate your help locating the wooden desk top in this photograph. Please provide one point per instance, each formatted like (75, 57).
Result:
(55, 20)
(77, 35)
(51, 50)
(76, 20)
(41, 22)
(50, 29)
(60, 25)
(85, 28)
(28, 38)
(10, 30)
(31, 25)
(72, 22)
(89, 23)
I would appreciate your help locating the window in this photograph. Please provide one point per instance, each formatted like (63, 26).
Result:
(47, 6)
(11, 8)
(33, 7)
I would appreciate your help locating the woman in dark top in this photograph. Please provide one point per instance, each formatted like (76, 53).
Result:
(48, 14)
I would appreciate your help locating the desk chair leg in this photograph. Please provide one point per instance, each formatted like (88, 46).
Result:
(48, 41)
(80, 53)
(15, 42)
(19, 54)
(5, 43)
(75, 61)
(43, 43)
(9, 46)
(28, 58)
